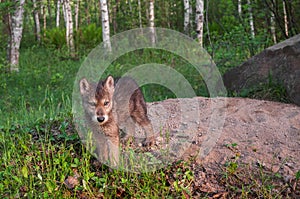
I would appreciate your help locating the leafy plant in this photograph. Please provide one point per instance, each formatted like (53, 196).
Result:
(88, 37)
(298, 175)
(55, 37)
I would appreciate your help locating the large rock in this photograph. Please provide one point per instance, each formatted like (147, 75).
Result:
(281, 62)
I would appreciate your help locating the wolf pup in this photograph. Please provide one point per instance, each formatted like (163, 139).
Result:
(111, 105)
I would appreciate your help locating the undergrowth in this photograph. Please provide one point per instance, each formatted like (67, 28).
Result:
(42, 156)
(47, 160)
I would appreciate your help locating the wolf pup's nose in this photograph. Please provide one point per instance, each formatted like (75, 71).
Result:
(100, 119)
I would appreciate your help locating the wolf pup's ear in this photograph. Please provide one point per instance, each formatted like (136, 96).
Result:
(84, 86)
(109, 83)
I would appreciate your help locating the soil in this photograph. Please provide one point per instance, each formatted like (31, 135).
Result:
(219, 130)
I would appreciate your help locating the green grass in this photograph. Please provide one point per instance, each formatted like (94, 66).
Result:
(271, 90)
(46, 79)
(40, 148)
(47, 160)
(41, 89)
(40, 151)
(36, 161)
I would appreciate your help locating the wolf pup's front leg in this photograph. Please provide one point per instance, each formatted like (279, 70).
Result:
(97, 100)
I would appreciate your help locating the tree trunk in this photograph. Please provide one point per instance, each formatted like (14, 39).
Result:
(251, 19)
(58, 12)
(191, 14)
(36, 21)
(199, 20)
(240, 8)
(69, 27)
(64, 12)
(286, 27)
(151, 21)
(43, 13)
(105, 25)
(87, 13)
(186, 16)
(6, 30)
(115, 10)
(77, 14)
(49, 13)
(16, 27)
(140, 14)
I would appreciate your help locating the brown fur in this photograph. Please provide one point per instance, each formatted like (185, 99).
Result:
(111, 104)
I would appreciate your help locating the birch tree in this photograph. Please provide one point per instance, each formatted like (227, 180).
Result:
(186, 15)
(105, 25)
(251, 22)
(199, 20)
(69, 27)
(16, 27)
(58, 12)
(240, 8)
(140, 13)
(286, 27)
(43, 13)
(36, 21)
(191, 14)
(151, 21)
(77, 14)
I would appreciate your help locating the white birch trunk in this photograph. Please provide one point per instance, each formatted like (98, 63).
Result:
(240, 8)
(58, 13)
(191, 14)
(286, 27)
(77, 14)
(199, 20)
(37, 21)
(69, 27)
(16, 35)
(151, 13)
(140, 13)
(251, 22)
(130, 6)
(43, 13)
(186, 15)
(105, 25)
(64, 12)
(151, 21)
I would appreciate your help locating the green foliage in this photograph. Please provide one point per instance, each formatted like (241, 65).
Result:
(88, 37)
(55, 37)
(40, 160)
(235, 47)
(155, 92)
(298, 175)
(7, 6)
(244, 181)
(32, 162)
(42, 88)
(271, 90)
(39, 147)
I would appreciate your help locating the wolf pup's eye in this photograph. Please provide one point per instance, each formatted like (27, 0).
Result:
(106, 103)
